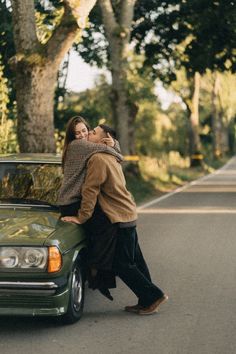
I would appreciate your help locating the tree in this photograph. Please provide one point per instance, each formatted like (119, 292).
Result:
(189, 90)
(94, 104)
(207, 27)
(36, 64)
(196, 35)
(193, 108)
(107, 43)
(218, 107)
(216, 122)
(117, 20)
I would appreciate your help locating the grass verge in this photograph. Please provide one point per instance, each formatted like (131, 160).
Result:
(163, 175)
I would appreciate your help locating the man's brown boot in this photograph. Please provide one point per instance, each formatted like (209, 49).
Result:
(153, 307)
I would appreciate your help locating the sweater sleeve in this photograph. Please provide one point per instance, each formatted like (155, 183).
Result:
(95, 177)
(87, 148)
(116, 147)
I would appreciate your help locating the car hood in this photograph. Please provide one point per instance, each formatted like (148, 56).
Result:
(26, 226)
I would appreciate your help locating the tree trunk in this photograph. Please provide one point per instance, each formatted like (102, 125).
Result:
(117, 30)
(119, 100)
(194, 139)
(35, 95)
(36, 67)
(215, 119)
(225, 119)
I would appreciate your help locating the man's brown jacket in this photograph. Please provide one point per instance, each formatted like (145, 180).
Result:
(105, 183)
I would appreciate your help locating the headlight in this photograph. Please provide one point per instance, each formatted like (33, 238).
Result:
(35, 257)
(23, 258)
(9, 258)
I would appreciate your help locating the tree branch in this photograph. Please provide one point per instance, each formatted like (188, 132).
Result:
(108, 15)
(73, 19)
(62, 37)
(127, 13)
(80, 10)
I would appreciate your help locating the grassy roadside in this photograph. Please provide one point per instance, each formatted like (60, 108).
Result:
(160, 176)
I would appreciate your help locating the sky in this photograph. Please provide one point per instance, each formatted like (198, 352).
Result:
(82, 76)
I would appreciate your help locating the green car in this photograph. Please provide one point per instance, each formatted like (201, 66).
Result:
(41, 257)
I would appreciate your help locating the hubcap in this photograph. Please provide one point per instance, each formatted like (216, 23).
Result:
(76, 289)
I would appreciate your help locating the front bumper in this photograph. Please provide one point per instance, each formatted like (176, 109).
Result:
(33, 298)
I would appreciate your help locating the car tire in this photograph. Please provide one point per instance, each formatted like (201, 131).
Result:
(76, 297)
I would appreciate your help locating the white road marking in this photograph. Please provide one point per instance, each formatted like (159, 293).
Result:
(187, 211)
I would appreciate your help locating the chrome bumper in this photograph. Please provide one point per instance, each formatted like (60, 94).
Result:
(37, 288)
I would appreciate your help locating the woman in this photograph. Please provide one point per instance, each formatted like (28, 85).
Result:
(100, 232)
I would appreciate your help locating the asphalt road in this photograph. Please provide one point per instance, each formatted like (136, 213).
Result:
(189, 241)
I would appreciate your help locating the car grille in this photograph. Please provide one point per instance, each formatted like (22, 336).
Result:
(24, 301)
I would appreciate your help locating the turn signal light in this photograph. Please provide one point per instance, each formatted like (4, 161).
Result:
(54, 259)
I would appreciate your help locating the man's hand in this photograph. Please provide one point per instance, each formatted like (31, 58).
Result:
(73, 219)
(108, 141)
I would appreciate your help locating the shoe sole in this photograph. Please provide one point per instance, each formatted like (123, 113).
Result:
(164, 299)
(132, 310)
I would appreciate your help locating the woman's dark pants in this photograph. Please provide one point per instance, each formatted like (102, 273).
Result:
(131, 267)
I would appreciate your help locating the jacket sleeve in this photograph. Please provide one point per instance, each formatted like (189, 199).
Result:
(95, 177)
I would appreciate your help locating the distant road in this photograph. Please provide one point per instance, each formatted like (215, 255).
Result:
(189, 241)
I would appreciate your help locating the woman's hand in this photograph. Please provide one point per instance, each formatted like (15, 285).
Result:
(109, 141)
(73, 219)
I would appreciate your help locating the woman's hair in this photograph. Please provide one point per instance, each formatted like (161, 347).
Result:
(70, 133)
(109, 130)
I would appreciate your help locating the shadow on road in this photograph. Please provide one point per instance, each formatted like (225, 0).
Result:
(24, 324)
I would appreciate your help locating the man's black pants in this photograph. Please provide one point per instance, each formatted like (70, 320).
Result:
(131, 267)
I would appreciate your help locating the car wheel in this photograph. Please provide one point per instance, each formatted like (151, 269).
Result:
(76, 298)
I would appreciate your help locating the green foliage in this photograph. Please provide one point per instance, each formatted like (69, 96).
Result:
(161, 174)
(148, 123)
(94, 105)
(7, 50)
(176, 136)
(214, 36)
(207, 27)
(7, 129)
(226, 103)
(141, 189)
(226, 94)
(155, 130)
(164, 173)
(48, 15)
(93, 46)
(225, 106)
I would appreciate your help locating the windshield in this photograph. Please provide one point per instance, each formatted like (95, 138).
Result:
(37, 183)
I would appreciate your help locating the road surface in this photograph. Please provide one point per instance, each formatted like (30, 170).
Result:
(189, 241)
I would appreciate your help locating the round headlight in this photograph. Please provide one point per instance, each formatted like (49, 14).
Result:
(9, 258)
(35, 258)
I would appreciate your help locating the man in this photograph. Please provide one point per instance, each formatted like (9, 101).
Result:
(105, 184)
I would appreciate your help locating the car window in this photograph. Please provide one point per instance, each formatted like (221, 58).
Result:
(24, 182)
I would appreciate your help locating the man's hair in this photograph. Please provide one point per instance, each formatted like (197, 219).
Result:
(108, 129)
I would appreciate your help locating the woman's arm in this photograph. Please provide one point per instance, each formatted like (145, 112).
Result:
(86, 148)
